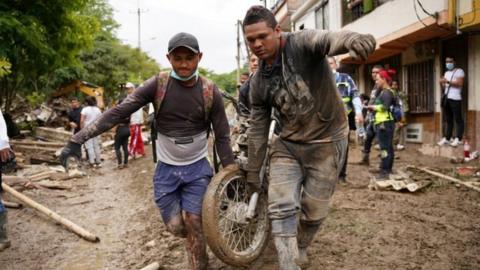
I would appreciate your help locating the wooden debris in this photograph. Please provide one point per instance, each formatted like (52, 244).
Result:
(41, 159)
(56, 217)
(53, 185)
(37, 143)
(13, 205)
(52, 134)
(152, 266)
(449, 178)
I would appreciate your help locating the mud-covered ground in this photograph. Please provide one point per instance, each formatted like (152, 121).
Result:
(438, 228)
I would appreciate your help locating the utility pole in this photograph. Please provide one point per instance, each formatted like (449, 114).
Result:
(139, 12)
(238, 51)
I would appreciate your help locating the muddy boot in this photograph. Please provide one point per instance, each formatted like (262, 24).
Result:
(365, 161)
(306, 234)
(196, 247)
(4, 242)
(287, 252)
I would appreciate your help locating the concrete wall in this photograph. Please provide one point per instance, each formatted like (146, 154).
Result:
(393, 16)
(473, 114)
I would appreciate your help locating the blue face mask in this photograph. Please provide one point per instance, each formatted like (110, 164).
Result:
(174, 75)
(449, 66)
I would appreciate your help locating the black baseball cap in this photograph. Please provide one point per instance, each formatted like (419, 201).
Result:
(183, 40)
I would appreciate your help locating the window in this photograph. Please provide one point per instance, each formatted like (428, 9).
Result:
(420, 86)
(321, 16)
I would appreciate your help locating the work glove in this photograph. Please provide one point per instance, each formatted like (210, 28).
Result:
(361, 46)
(72, 149)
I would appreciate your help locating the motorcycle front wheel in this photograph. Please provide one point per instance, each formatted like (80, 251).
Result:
(231, 237)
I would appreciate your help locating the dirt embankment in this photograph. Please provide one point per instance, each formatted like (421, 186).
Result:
(438, 228)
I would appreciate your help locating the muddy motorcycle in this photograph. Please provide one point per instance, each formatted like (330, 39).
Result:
(235, 221)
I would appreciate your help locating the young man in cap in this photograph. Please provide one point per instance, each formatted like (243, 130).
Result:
(294, 78)
(185, 107)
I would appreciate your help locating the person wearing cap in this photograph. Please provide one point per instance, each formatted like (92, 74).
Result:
(294, 79)
(136, 146)
(183, 171)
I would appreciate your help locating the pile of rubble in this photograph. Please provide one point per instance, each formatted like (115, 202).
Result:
(50, 114)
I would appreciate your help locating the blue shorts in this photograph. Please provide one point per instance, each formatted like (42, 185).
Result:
(178, 188)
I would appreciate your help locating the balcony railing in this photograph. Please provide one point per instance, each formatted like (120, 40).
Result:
(355, 9)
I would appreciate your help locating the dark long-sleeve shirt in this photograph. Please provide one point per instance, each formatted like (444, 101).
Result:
(300, 86)
(181, 114)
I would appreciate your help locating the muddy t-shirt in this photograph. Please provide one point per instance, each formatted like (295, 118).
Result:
(181, 114)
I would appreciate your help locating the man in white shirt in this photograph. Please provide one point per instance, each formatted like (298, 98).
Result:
(136, 146)
(452, 84)
(88, 115)
(4, 155)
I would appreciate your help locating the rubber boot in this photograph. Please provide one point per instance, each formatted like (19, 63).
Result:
(4, 242)
(306, 234)
(287, 251)
(196, 247)
(365, 161)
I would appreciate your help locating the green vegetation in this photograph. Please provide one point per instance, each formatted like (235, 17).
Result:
(46, 43)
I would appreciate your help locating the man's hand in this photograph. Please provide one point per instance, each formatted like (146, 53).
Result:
(73, 125)
(253, 182)
(71, 149)
(362, 46)
(4, 154)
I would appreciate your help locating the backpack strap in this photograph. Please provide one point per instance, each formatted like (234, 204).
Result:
(207, 87)
(162, 82)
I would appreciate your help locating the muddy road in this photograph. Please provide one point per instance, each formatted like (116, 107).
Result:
(438, 228)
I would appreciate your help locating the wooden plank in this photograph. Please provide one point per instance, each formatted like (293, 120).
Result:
(34, 148)
(37, 143)
(56, 217)
(449, 178)
(52, 134)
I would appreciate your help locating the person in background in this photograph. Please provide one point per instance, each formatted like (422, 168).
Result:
(136, 146)
(401, 126)
(384, 122)
(4, 156)
(122, 133)
(88, 115)
(370, 126)
(353, 105)
(243, 98)
(452, 83)
(74, 115)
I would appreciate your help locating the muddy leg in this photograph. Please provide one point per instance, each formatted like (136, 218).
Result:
(176, 226)
(196, 248)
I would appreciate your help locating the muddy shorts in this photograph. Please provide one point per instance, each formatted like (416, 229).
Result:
(302, 180)
(178, 188)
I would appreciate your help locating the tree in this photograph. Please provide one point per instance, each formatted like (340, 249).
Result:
(38, 37)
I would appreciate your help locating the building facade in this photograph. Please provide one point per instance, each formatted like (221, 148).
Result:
(413, 37)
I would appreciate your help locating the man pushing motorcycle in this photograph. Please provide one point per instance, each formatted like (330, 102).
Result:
(295, 79)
